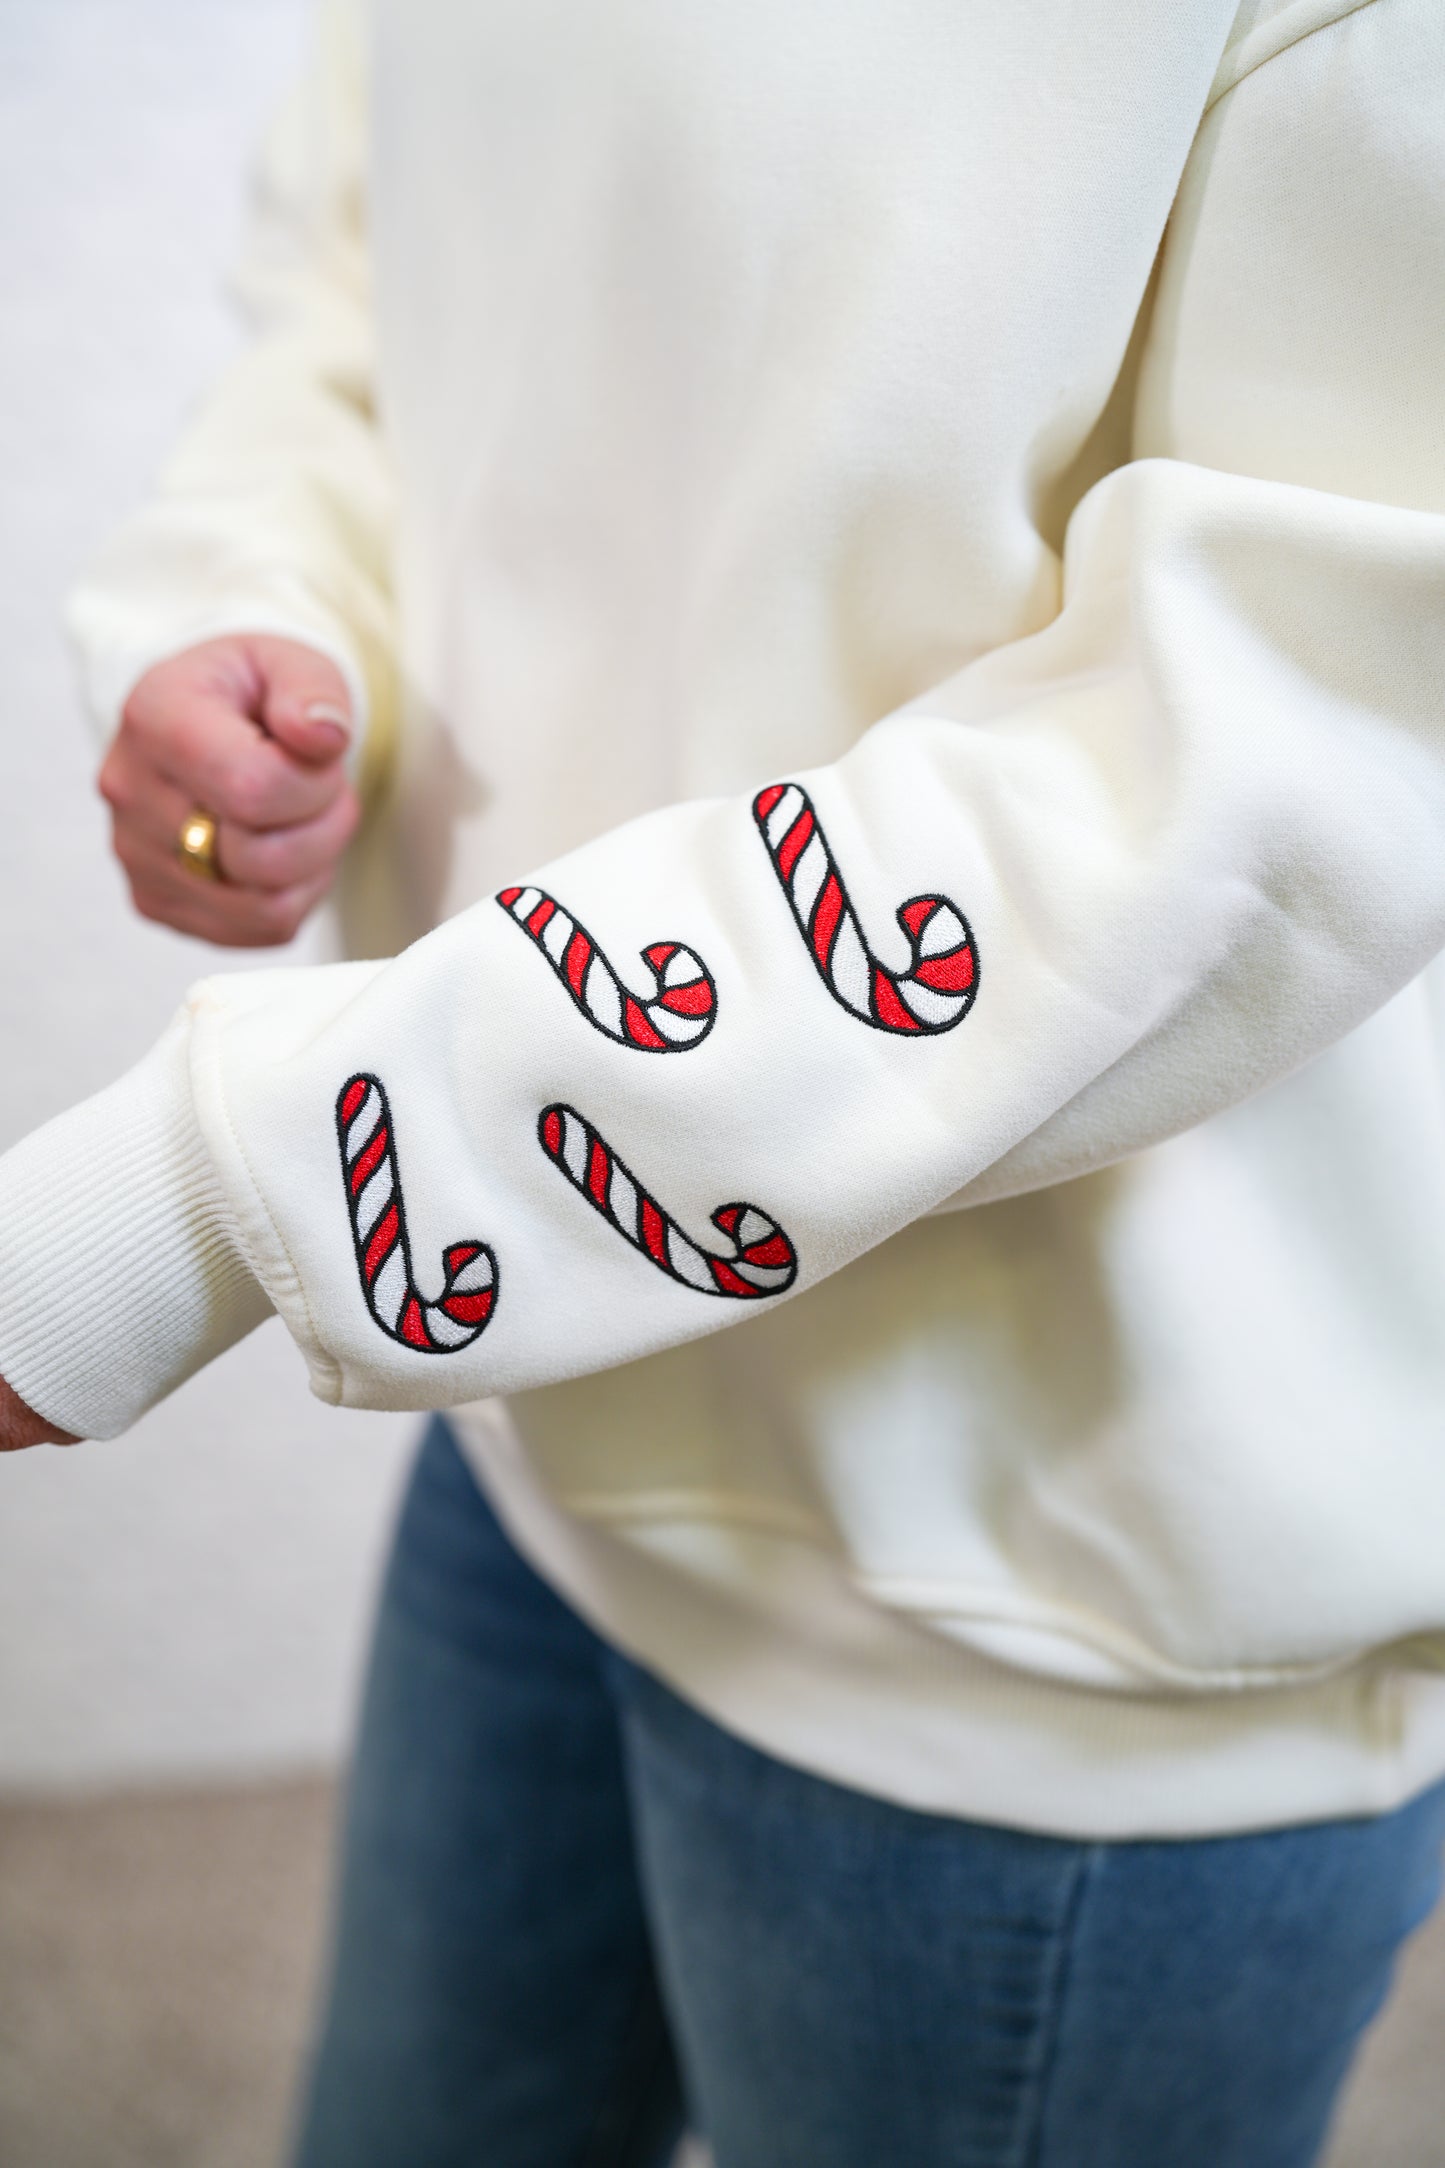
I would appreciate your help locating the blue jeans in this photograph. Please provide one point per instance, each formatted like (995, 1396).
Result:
(574, 1913)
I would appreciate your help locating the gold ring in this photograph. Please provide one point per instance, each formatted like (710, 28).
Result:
(196, 844)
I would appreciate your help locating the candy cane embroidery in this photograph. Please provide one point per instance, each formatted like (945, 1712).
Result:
(680, 1013)
(764, 1261)
(933, 994)
(383, 1253)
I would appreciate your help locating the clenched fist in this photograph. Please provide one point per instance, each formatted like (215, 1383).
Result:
(251, 729)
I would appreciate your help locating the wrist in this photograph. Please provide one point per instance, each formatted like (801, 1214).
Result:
(20, 1425)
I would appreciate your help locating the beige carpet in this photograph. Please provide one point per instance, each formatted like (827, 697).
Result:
(156, 1965)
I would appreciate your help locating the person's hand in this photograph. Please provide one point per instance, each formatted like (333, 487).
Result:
(21, 1426)
(252, 730)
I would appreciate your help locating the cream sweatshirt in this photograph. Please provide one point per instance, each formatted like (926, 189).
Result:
(895, 557)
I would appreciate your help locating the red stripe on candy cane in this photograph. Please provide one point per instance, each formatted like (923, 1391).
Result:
(678, 1014)
(763, 1261)
(936, 990)
(377, 1212)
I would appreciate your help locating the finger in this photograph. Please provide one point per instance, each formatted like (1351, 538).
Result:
(246, 918)
(304, 703)
(217, 756)
(295, 694)
(150, 811)
(271, 917)
(172, 894)
(279, 858)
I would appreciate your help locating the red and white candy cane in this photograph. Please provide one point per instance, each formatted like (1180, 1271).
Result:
(378, 1226)
(679, 1013)
(933, 994)
(763, 1260)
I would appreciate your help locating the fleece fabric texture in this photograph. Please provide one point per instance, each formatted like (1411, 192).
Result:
(895, 560)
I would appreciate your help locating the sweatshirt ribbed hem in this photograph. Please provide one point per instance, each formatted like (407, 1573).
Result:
(119, 1276)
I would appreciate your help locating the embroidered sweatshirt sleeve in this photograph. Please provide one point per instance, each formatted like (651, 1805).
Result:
(1100, 885)
(274, 512)
(1103, 883)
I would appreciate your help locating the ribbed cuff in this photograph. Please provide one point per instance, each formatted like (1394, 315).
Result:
(119, 1274)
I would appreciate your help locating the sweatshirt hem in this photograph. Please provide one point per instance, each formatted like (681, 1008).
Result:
(1104, 1654)
(766, 1636)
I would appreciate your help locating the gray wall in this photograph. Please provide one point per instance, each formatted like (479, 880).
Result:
(191, 1599)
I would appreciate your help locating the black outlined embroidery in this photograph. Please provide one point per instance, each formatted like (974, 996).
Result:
(679, 1015)
(764, 1261)
(378, 1230)
(937, 990)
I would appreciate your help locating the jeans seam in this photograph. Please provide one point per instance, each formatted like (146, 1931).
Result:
(1056, 1993)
